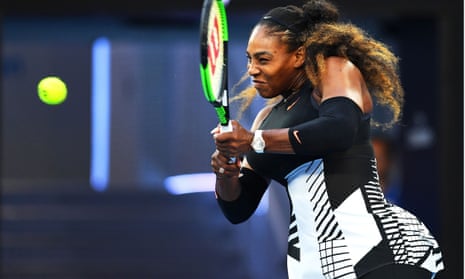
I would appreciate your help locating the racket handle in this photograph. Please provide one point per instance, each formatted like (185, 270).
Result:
(228, 128)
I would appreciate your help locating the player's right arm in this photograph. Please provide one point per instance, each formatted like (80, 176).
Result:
(238, 188)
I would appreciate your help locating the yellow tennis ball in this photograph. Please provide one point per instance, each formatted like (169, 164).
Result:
(52, 90)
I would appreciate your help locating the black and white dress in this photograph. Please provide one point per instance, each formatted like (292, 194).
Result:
(341, 226)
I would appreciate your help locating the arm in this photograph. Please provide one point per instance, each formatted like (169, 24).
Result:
(334, 129)
(344, 98)
(250, 187)
(238, 190)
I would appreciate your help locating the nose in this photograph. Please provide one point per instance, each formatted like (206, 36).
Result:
(252, 70)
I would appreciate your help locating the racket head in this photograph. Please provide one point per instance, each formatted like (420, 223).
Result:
(213, 56)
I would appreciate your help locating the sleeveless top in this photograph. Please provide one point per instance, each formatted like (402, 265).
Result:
(341, 226)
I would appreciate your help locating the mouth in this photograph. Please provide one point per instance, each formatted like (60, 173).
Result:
(257, 83)
(261, 87)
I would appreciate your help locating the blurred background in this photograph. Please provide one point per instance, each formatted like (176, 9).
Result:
(115, 182)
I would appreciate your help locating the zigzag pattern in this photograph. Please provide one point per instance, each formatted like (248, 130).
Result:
(406, 235)
(334, 255)
(293, 248)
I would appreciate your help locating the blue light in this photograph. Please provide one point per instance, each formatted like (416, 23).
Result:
(190, 183)
(203, 182)
(100, 109)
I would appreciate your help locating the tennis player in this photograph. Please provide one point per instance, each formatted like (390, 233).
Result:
(322, 77)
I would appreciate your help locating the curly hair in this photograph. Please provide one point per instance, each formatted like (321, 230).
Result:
(376, 62)
(315, 26)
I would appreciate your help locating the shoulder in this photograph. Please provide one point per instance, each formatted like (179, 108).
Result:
(261, 115)
(342, 78)
(340, 75)
(336, 64)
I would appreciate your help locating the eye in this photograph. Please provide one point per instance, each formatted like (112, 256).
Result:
(263, 60)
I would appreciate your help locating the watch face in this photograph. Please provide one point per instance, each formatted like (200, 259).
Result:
(258, 144)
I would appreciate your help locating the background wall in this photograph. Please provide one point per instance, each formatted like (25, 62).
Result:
(55, 224)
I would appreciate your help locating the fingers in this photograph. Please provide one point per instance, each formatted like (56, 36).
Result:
(227, 172)
(235, 143)
(225, 160)
(227, 143)
(215, 130)
(221, 167)
(222, 142)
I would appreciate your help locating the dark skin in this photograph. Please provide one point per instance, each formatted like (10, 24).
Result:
(275, 71)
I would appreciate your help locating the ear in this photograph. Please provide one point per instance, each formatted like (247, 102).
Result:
(299, 57)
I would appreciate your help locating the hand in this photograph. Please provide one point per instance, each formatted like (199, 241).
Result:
(235, 143)
(222, 167)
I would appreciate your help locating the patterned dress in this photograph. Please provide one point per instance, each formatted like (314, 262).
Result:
(341, 225)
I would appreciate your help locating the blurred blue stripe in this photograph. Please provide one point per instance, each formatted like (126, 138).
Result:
(100, 109)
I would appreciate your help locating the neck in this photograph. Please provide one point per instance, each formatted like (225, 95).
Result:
(296, 84)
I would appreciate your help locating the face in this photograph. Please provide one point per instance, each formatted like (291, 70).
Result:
(272, 68)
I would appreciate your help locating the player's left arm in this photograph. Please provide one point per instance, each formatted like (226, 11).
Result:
(343, 79)
(342, 105)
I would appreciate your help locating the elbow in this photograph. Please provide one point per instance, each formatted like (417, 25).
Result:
(235, 220)
(235, 212)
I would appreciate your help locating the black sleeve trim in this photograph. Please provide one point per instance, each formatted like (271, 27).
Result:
(334, 129)
(253, 188)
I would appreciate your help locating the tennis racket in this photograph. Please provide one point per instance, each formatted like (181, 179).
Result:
(214, 59)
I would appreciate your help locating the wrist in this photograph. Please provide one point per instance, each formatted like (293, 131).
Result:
(258, 143)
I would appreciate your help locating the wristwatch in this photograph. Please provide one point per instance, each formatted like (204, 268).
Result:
(258, 144)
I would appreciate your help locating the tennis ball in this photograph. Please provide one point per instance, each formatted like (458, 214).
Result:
(52, 90)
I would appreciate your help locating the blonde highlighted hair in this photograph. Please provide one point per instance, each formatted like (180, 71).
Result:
(377, 63)
(323, 37)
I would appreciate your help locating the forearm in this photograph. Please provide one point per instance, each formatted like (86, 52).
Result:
(333, 130)
(247, 190)
(277, 141)
(227, 188)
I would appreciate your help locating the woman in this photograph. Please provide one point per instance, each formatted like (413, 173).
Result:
(322, 77)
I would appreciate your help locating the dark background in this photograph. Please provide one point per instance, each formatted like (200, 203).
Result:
(55, 225)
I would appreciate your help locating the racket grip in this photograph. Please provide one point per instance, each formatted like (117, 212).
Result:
(228, 128)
